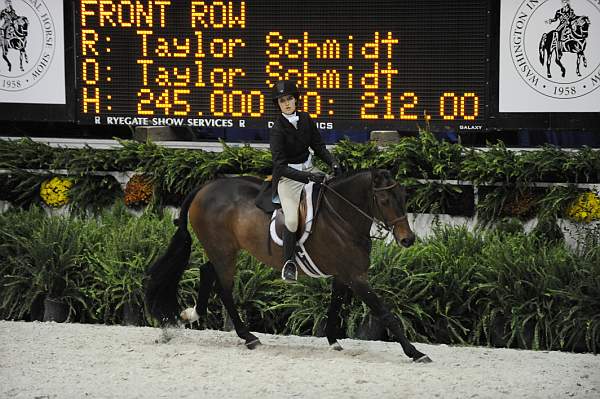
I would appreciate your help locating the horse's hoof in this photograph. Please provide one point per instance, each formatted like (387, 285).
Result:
(336, 346)
(189, 315)
(253, 344)
(423, 359)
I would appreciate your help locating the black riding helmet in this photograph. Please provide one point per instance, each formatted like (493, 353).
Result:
(284, 88)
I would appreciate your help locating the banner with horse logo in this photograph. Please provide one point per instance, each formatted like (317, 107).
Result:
(32, 61)
(549, 56)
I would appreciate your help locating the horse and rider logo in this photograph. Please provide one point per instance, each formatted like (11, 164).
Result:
(570, 36)
(27, 43)
(555, 46)
(13, 34)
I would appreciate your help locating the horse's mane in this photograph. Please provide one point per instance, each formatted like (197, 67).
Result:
(344, 177)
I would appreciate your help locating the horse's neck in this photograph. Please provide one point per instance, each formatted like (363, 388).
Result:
(354, 189)
(577, 30)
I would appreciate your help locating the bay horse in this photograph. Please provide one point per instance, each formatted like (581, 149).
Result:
(551, 43)
(225, 219)
(16, 38)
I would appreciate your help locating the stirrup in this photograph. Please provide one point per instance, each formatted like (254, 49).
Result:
(289, 271)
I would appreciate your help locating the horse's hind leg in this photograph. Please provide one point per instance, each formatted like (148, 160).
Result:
(7, 61)
(207, 282)
(225, 269)
(340, 294)
(363, 290)
(563, 70)
(548, 62)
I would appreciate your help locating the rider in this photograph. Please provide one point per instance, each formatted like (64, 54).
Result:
(565, 15)
(7, 15)
(290, 138)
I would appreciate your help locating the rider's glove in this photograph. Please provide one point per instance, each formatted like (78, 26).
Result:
(316, 177)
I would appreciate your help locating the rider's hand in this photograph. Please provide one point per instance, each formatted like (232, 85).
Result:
(316, 177)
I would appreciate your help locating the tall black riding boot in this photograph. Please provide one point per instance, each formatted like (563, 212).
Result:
(289, 271)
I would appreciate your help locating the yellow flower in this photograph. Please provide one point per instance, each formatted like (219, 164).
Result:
(585, 208)
(54, 192)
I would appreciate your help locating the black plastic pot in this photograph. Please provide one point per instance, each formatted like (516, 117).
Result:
(36, 311)
(321, 330)
(463, 203)
(498, 332)
(55, 310)
(132, 315)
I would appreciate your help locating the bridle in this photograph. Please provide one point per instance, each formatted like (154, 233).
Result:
(393, 222)
(389, 226)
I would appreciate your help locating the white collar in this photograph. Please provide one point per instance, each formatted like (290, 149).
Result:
(293, 119)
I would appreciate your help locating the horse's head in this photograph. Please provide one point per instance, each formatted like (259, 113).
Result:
(389, 199)
(581, 26)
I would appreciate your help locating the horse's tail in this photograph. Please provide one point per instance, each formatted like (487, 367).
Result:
(542, 44)
(164, 274)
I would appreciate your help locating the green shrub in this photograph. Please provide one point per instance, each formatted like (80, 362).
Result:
(43, 259)
(498, 287)
(118, 260)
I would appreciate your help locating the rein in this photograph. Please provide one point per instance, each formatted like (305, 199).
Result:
(381, 225)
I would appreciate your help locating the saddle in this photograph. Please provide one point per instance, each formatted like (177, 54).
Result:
(306, 210)
(306, 215)
(265, 202)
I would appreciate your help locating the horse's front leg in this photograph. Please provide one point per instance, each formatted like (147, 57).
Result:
(340, 294)
(363, 290)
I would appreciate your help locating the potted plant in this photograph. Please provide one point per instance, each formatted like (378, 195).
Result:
(126, 246)
(435, 197)
(47, 267)
(92, 193)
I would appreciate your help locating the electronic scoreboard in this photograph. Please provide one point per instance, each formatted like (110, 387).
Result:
(360, 65)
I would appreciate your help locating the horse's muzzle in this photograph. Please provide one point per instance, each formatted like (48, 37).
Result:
(407, 241)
